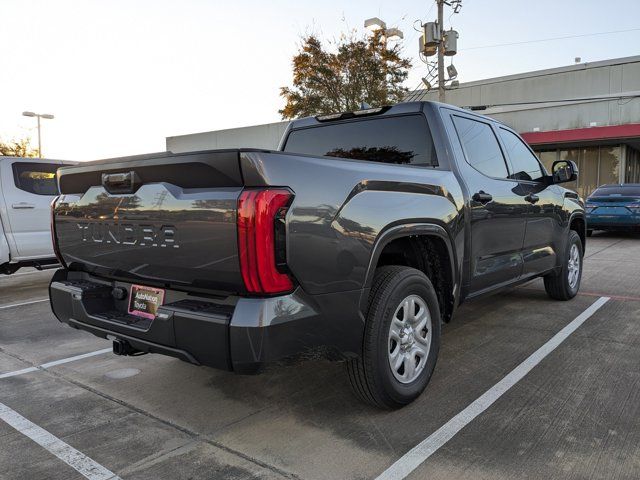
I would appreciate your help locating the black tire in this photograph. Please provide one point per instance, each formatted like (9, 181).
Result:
(558, 285)
(371, 375)
(589, 233)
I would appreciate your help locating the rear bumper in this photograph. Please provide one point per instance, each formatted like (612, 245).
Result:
(595, 222)
(235, 334)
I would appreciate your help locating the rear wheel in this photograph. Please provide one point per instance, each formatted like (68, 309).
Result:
(565, 284)
(402, 339)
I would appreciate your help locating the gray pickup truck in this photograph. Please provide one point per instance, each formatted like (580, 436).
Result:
(355, 240)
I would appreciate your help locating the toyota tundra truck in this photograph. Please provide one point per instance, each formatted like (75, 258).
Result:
(355, 240)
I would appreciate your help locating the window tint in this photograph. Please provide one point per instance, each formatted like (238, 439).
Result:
(400, 140)
(617, 191)
(525, 164)
(38, 178)
(481, 147)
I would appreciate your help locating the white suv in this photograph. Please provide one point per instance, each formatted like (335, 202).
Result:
(27, 187)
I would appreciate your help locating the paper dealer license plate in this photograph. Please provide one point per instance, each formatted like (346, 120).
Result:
(144, 301)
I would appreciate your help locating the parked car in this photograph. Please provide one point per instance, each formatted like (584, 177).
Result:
(27, 188)
(355, 240)
(614, 207)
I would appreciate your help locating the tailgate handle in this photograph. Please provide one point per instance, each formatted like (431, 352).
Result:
(124, 182)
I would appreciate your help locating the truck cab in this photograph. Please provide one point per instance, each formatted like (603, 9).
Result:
(27, 188)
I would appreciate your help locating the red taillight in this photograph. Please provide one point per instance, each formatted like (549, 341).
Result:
(54, 239)
(259, 212)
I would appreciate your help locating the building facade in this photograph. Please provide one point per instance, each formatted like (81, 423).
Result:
(588, 113)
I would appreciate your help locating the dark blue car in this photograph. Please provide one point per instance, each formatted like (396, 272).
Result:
(614, 207)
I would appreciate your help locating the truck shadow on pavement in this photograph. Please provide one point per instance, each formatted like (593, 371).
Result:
(486, 339)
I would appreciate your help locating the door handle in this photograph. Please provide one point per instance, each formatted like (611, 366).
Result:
(532, 198)
(482, 197)
(22, 205)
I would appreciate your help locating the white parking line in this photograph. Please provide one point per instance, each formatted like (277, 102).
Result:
(54, 363)
(65, 452)
(418, 454)
(18, 372)
(77, 357)
(2, 307)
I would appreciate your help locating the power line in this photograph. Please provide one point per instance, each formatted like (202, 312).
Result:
(414, 94)
(551, 39)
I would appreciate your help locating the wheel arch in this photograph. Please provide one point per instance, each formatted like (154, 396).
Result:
(416, 234)
(578, 223)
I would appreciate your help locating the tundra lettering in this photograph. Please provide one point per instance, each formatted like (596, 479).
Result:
(128, 234)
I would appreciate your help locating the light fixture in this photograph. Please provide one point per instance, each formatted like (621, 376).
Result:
(374, 24)
(393, 34)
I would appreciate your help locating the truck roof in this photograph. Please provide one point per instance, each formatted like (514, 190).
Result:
(399, 108)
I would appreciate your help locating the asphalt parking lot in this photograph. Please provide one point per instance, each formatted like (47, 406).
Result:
(575, 414)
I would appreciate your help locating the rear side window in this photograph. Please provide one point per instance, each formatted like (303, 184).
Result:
(617, 191)
(38, 178)
(399, 140)
(481, 147)
(524, 163)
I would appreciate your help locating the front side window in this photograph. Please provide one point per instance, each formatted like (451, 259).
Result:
(38, 178)
(525, 164)
(481, 147)
(400, 140)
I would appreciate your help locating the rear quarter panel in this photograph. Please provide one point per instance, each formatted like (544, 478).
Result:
(342, 207)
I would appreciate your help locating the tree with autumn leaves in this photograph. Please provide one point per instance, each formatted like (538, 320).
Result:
(17, 148)
(338, 79)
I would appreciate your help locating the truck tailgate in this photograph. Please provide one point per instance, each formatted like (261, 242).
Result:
(160, 219)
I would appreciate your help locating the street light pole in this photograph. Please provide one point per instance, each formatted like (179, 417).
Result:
(441, 91)
(48, 116)
(39, 139)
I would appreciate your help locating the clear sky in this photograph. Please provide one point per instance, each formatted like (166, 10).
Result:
(121, 75)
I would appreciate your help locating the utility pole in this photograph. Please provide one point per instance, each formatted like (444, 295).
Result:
(441, 93)
(435, 40)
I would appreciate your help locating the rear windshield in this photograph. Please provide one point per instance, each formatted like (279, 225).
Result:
(399, 140)
(617, 191)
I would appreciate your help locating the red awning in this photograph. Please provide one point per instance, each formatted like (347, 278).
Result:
(590, 134)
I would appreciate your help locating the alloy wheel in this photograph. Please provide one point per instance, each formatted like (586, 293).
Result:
(409, 339)
(573, 270)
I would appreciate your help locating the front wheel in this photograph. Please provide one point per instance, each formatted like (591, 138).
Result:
(402, 339)
(564, 285)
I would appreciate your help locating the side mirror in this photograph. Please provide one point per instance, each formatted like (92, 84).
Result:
(564, 171)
